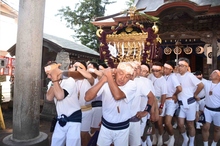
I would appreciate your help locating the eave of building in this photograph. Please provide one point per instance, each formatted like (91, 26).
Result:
(57, 44)
(195, 12)
(7, 10)
(207, 9)
(201, 11)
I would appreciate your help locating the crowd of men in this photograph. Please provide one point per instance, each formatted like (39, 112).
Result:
(132, 104)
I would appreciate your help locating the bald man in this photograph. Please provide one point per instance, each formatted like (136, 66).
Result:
(117, 90)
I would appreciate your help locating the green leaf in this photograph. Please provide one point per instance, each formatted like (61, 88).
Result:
(80, 19)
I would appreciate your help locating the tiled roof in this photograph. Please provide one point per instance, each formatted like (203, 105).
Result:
(153, 5)
(67, 44)
(61, 44)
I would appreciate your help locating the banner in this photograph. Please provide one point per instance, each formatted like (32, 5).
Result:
(209, 55)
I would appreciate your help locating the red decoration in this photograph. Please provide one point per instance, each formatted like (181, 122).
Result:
(1, 71)
(6, 71)
(13, 62)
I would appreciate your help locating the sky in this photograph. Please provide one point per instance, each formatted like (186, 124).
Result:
(59, 28)
(52, 23)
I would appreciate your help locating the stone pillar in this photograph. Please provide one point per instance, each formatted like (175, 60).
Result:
(27, 86)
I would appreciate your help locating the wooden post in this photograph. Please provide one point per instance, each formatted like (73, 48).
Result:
(2, 122)
(214, 51)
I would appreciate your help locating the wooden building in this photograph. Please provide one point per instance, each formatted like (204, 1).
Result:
(187, 29)
(52, 45)
(193, 23)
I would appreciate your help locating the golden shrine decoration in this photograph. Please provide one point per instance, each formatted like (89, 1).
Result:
(129, 47)
(130, 41)
(135, 37)
(155, 28)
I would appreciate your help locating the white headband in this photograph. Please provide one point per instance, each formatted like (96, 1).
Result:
(183, 63)
(125, 66)
(144, 67)
(133, 64)
(156, 67)
(137, 63)
(217, 71)
(168, 66)
(50, 67)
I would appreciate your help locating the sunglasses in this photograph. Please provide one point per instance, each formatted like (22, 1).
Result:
(181, 65)
(155, 70)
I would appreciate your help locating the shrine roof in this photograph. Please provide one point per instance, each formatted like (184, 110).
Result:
(156, 7)
(155, 4)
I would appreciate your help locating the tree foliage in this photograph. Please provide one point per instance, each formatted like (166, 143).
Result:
(129, 3)
(80, 20)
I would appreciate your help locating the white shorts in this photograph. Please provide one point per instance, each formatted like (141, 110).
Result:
(212, 116)
(134, 133)
(170, 107)
(86, 120)
(69, 134)
(200, 105)
(96, 117)
(117, 137)
(188, 113)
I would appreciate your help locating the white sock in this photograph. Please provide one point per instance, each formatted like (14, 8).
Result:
(170, 137)
(143, 143)
(191, 142)
(214, 143)
(154, 139)
(160, 140)
(149, 142)
(185, 139)
(159, 136)
(205, 143)
(184, 135)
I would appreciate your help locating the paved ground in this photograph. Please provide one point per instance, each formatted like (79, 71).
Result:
(45, 125)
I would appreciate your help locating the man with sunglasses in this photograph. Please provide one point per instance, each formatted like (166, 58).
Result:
(160, 87)
(173, 89)
(191, 86)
